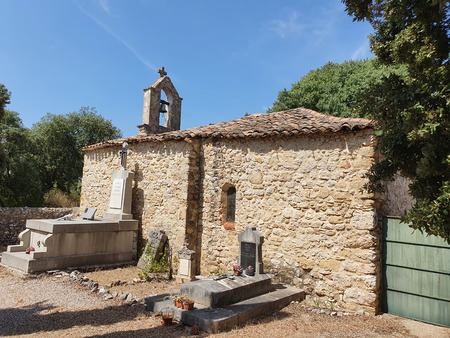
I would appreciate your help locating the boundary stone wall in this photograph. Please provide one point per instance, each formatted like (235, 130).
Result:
(13, 220)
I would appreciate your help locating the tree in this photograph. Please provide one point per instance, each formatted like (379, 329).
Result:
(60, 139)
(413, 112)
(19, 177)
(5, 96)
(334, 88)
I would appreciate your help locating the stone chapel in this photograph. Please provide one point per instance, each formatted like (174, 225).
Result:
(298, 176)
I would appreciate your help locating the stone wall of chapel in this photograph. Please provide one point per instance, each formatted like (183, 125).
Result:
(160, 185)
(305, 195)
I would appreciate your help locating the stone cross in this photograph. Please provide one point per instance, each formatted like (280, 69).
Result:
(123, 155)
(162, 72)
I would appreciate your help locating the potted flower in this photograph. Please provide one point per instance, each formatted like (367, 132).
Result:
(167, 316)
(237, 270)
(250, 271)
(29, 249)
(177, 300)
(188, 304)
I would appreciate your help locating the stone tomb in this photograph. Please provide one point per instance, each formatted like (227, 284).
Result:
(60, 243)
(71, 243)
(223, 303)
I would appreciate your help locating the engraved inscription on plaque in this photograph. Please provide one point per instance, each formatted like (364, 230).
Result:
(117, 194)
(248, 254)
(184, 267)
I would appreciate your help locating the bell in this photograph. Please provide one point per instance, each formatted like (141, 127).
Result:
(163, 106)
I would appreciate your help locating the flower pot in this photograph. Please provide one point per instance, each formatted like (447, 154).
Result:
(188, 305)
(167, 320)
(250, 272)
(237, 272)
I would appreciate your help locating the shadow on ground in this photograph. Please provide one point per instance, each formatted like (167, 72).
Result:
(30, 319)
(33, 319)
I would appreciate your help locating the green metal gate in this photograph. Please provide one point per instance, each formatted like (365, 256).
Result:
(416, 274)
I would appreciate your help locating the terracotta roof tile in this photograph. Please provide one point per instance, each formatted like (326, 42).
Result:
(292, 122)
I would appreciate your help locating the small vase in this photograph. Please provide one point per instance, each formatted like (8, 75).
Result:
(188, 305)
(167, 320)
(250, 272)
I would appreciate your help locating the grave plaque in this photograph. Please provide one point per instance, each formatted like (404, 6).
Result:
(115, 201)
(89, 213)
(250, 249)
(248, 254)
(186, 268)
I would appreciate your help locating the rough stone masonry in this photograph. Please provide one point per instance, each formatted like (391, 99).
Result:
(298, 177)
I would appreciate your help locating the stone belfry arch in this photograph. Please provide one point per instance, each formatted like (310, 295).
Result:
(151, 123)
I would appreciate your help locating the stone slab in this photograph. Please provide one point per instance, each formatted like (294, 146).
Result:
(226, 318)
(26, 263)
(73, 226)
(160, 302)
(211, 293)
(214, 320)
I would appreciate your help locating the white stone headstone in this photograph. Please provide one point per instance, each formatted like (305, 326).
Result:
(116, 199)
(185, 267)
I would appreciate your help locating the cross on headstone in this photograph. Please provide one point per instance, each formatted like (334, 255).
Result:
(123, 155)
(162, 72)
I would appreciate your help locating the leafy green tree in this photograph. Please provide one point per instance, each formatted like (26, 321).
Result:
(5, 96)
(19, 183)
(60, 139)
(4, 100)
(334, 88)
(413, 112)
(19, 177)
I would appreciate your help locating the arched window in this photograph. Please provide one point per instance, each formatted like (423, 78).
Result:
(231, 204)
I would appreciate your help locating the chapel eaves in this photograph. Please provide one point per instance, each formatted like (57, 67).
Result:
(289, 123)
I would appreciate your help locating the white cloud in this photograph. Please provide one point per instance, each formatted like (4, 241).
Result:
(104, 5)
(288, 26)
(363, 51)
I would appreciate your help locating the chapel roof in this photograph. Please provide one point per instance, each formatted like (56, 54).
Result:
(298, 121)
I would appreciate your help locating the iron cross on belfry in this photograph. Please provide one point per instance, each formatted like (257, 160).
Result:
(162, 72)
(123, 155)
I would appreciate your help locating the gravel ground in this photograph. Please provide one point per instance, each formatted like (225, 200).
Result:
(57, 305)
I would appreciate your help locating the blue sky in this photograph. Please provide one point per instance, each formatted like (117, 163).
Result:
(226, 58)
